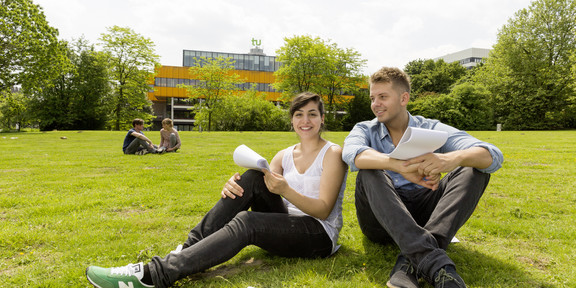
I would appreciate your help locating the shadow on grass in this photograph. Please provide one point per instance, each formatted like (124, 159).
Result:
(481, 270)
(368, 268)
(476, 268)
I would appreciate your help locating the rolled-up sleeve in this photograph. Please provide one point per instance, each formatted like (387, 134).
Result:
(460, 140)
(497, 157)
(355, 143)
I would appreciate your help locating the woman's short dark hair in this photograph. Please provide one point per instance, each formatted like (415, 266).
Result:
(303, 99)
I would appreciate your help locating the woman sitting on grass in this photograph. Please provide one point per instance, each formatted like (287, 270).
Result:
(296, 210)
(169, 138)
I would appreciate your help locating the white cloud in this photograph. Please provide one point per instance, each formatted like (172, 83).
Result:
(385, 32)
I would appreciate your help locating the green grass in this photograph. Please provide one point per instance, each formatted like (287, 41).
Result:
(69, 203)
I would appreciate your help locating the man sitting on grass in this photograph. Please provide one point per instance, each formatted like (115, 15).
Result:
(135, 142)
(406, 201)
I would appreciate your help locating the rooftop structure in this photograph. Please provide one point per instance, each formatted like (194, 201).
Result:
(467, 58)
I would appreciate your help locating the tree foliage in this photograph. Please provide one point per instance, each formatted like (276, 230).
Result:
(429, 76)
(13, 110)
(304, 60)
(315, 65)
(466, 107)
(529, 69)
(30, 53)
(93, 88)
(78, 98)
(216, 82)
(358, 109)
(132, 63)
(246, 112)
(474, 105)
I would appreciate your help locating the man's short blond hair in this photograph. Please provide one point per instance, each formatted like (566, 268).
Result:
(399, 79)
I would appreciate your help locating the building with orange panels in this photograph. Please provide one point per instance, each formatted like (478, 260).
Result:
(171, 101)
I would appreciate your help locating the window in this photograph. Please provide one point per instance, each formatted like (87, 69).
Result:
(241, 61)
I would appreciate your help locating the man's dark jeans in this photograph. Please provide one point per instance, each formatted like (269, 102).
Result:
(137, 145)
(421, 222)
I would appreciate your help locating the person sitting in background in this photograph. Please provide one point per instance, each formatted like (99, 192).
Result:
(136, 142)
(169, 138)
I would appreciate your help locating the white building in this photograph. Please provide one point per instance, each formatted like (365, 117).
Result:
(467, 58)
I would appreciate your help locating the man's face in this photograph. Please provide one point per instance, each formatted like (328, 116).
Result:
(386, 102)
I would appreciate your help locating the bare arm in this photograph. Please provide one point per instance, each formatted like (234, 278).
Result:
(142, 136)
(162, 141)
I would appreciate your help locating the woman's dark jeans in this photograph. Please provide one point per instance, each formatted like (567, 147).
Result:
(228, 227)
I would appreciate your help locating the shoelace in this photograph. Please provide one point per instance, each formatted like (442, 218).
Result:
(127, 270)
(407, 267)
(444, 277)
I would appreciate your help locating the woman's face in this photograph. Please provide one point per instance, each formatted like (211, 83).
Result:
(307, 121)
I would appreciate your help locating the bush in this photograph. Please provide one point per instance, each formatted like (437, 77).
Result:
(246, 112)
(465, 108)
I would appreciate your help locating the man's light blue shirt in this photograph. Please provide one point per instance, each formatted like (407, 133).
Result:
(374, 135)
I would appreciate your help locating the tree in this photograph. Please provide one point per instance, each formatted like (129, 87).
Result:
(529, 69)
(358, 109)
(466, 107)
(215, 83)
(304, 60)
(315, 65)
(448, 93)
(474, 106)
(92, 87)
(438, 106)
(433, 76)
(30, 53)
(78, 98)
(342, 77)
(13, 110)
(132, 63)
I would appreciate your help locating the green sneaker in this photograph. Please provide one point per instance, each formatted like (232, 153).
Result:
(128, 276)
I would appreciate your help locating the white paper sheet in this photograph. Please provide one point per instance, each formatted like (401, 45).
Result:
(418, 141)
(247, 158)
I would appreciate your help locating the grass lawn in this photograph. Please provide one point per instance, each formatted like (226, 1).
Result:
(69, 203)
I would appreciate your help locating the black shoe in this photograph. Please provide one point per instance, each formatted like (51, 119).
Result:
(447, 277)
(403, 274)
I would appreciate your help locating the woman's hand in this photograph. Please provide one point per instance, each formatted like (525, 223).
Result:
(231, 188)
(275, 182)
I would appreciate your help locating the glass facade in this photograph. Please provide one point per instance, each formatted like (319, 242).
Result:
(250, 62)
(174, 82)
(471, 60)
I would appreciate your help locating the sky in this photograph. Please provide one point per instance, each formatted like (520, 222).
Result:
(384, 32)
